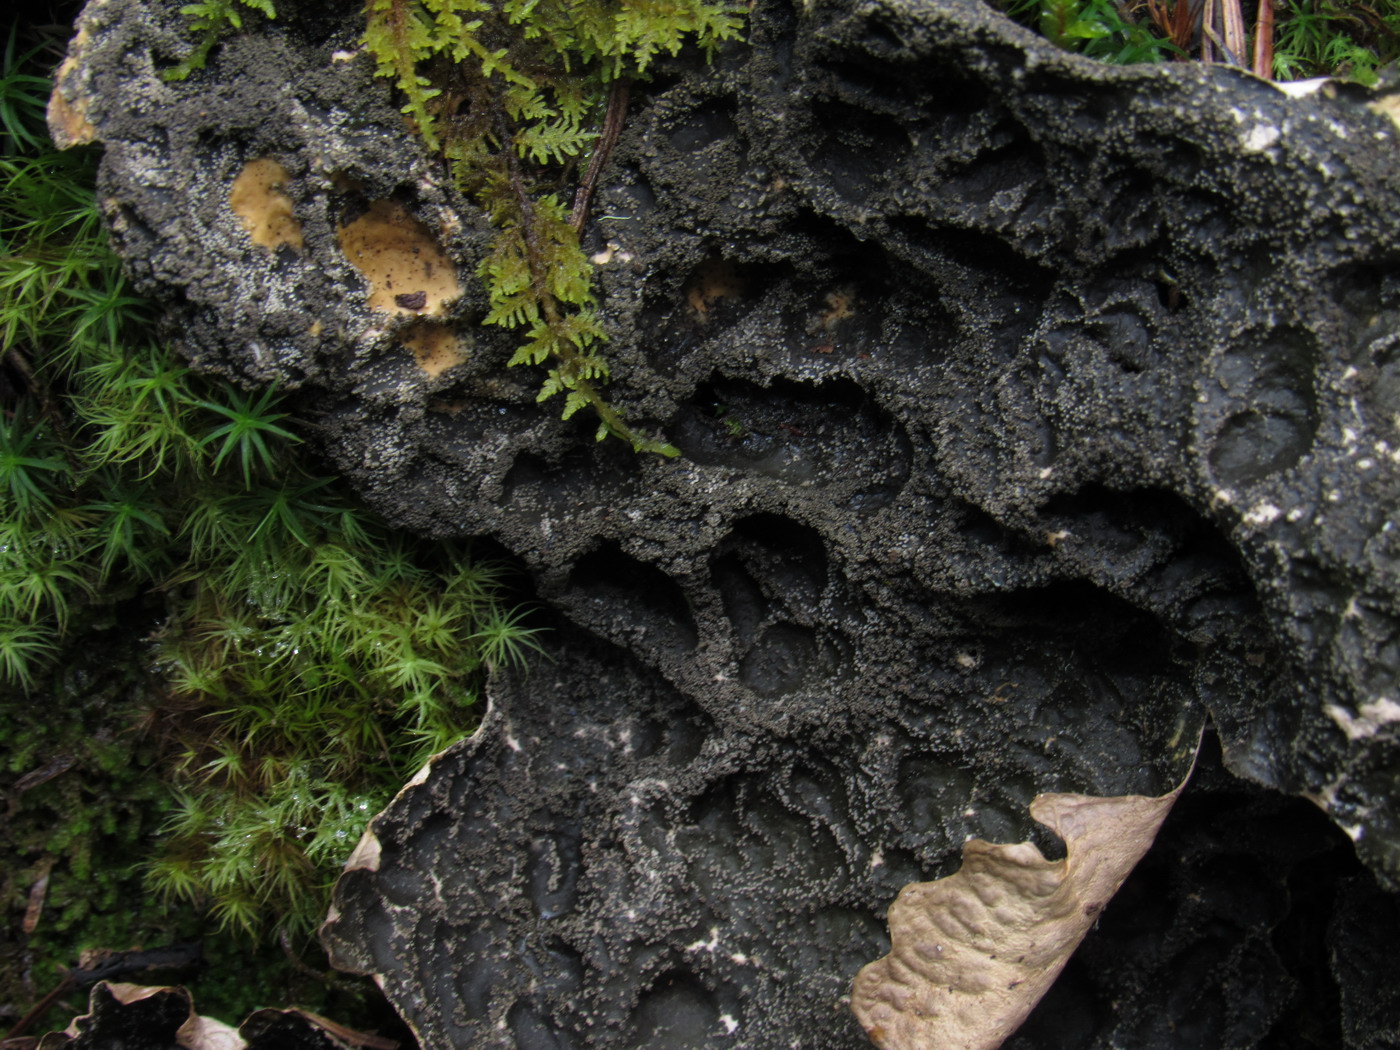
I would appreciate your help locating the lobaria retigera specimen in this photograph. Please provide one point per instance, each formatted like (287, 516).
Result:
(514, 94)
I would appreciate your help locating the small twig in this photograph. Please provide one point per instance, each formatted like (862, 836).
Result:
(568, 356)
(37, 894)
(26, 370)
(121, 966)
(1207, 22)
(115, 967)
(1230, 57)
(534, 254)
(50, 769)
(353, 1036)
(54, 767)
(41, 1007)
(612, 127)
(298, 963)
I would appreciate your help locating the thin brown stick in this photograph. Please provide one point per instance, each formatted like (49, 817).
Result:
(1207, 31)
(1264, 41)
(613, 119)
(38, 892)
(50, 769)
(1230, 57)
(41, 1007)
(534, 257)
(1236, 43)
(297, 962)
(353, 1036)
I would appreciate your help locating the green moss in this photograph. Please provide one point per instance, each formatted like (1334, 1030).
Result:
(1312, 38)
(210, 20)
(215, 664)
(1321, 38)
(513, 93)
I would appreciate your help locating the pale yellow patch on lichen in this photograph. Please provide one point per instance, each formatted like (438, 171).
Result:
(839, 305)
(1388, 106)
(68, 107)
(405, 267)
(258, 198)
(68, 121)
(713, 280)
(436, 347)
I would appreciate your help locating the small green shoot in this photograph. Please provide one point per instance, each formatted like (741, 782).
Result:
(245, 435)
(1310, 38)
(210, 20)
(515, 94)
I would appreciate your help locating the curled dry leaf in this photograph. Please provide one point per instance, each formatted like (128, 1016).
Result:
(134, 1014)
(129, 1015)
(973, 953)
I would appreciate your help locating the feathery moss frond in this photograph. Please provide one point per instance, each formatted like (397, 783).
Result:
(509, 116)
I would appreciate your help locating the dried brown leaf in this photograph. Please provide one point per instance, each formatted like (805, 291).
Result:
(113, 1014)
(138, 1015)
(973, 953)
(38, 891)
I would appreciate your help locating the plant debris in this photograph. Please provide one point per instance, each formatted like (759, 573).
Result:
(973, 953)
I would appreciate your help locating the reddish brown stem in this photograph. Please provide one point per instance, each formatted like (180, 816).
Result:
(534, 257)
(1177, 20)
(607, 139)
(1264, 41)
(40, 1008)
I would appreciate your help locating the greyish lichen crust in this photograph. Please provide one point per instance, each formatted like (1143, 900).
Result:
(1031, 412)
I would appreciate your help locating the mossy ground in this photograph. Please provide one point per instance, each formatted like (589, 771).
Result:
(215, 663)
(91, 829)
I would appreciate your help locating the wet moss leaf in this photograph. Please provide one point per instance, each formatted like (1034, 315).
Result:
(973, 953)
